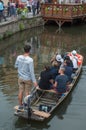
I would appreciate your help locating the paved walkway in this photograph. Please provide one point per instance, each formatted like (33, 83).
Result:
(10, 19)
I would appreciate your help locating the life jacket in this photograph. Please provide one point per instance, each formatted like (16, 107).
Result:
(79, 61)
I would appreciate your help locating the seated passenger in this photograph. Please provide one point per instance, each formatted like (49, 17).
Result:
(54, 69)
(59, 59)
(74, 59)
(45, 79)
(69, 61)
(68, 70)
(61, 81)
(79, 57)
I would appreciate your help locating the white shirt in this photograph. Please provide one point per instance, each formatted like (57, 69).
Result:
(75, 61)
(25, 68)
(28, 3)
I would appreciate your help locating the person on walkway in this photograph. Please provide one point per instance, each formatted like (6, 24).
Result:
(2, 10)
(13, 10)
(28, 3)
(38, 6)
(8, 9)
(24, 64)
(34, 7)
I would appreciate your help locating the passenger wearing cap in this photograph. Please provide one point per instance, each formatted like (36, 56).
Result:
(59, 60)
(79, 57)
(74, 60)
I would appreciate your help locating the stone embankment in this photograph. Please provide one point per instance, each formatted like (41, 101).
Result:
(10, 27)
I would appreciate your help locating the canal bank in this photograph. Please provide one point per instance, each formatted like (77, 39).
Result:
(8, 28)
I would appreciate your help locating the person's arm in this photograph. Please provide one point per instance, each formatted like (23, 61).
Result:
(55, 84)
(31, 67)
(16, 63)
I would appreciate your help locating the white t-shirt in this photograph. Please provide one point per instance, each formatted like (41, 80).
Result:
(28, 3)
(75, 61)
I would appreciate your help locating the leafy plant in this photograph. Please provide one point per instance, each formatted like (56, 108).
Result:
(80, 7)
(22, 11)
(1, 37)
(21, 26)
(65, 9)
(57, 9)
(75, 9)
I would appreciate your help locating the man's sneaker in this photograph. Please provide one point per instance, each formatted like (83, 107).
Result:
(20, 107)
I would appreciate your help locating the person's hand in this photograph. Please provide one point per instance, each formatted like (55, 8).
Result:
(35, 84)
(37, 87)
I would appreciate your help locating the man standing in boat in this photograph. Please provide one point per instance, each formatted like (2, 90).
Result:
(24, 64)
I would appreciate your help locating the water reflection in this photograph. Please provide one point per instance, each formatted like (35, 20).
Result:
(45, 42)
(25, 125)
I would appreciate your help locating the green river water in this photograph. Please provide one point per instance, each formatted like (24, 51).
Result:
(45, 41)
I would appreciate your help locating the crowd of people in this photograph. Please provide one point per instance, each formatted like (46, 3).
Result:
(11, 9)
(60, 74)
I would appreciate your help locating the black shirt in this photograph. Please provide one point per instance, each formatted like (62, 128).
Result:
(44, 82)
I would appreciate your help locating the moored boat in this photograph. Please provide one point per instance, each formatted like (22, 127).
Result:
(44, 102)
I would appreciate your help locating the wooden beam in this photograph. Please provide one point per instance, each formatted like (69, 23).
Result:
(59, 22)
(35, 112)
(41, 113)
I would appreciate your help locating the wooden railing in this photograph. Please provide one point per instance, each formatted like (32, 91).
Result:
(64, 11)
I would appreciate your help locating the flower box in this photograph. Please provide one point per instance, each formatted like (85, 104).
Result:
(48, 11)
(74, 11)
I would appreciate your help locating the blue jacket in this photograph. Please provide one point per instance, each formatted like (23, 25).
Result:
(1, 6)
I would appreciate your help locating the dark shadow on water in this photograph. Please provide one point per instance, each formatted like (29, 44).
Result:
(24, 124)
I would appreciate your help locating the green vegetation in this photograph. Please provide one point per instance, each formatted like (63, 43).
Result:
(21, 26)
(65, 9)
(1, 37)
(22, 12)
(75, 9)
(6, 34)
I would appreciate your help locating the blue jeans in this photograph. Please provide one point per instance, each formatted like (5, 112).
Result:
(2, 15)
(33, 9)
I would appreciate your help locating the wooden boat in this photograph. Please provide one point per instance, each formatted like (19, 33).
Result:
(44, 102)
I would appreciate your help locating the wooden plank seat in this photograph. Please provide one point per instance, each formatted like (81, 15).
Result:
(41, 113)
(53, 91)
(36, 112)
(48, 100)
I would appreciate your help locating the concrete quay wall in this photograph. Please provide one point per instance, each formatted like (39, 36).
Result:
(10, 27)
